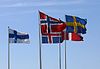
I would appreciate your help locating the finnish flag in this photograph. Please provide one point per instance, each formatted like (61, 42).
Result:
(18, 37)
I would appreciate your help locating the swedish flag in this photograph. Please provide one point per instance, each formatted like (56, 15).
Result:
(75, 24)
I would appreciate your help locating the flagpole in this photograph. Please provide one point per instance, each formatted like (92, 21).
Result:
(65, 48)
(59, 56)
(8, 50)
(59, 52)
(65, 53)
(40, 50)
(40, 58)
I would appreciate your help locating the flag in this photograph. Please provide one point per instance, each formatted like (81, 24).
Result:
(72, 36)
(50, 24)
(52, 38)
(18, 37)
(75, 24)
(51, 29)
(58, 27)
(76, 37)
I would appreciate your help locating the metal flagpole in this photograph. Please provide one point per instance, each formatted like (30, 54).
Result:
(40, 45)
(65, 52)
(59, 51)
(59, 56)
(8, 51)
(65, 48)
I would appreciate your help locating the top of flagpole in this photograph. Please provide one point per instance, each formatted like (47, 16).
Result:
(8, 27)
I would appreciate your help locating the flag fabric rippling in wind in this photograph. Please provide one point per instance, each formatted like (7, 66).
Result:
(51, 29)
(76, 37)
(18, 37)
(50, 24)
(75, 24)
(52, 38)
(72, 36)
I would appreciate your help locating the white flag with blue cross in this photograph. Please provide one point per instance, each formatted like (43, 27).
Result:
(18, 37)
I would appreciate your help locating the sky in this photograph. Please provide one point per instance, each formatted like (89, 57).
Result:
(23, 16)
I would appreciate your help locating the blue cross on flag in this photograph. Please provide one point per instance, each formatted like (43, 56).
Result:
(50, 24)
(18, 37)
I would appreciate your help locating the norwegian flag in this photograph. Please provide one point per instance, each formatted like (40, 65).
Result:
(52, 38)
(50, 24)
(51, 29)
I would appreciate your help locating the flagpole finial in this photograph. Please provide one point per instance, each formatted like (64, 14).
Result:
(38, 10)
(8, 27)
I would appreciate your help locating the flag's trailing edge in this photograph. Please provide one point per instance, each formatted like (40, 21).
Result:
(75, 24)
(18, 37)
